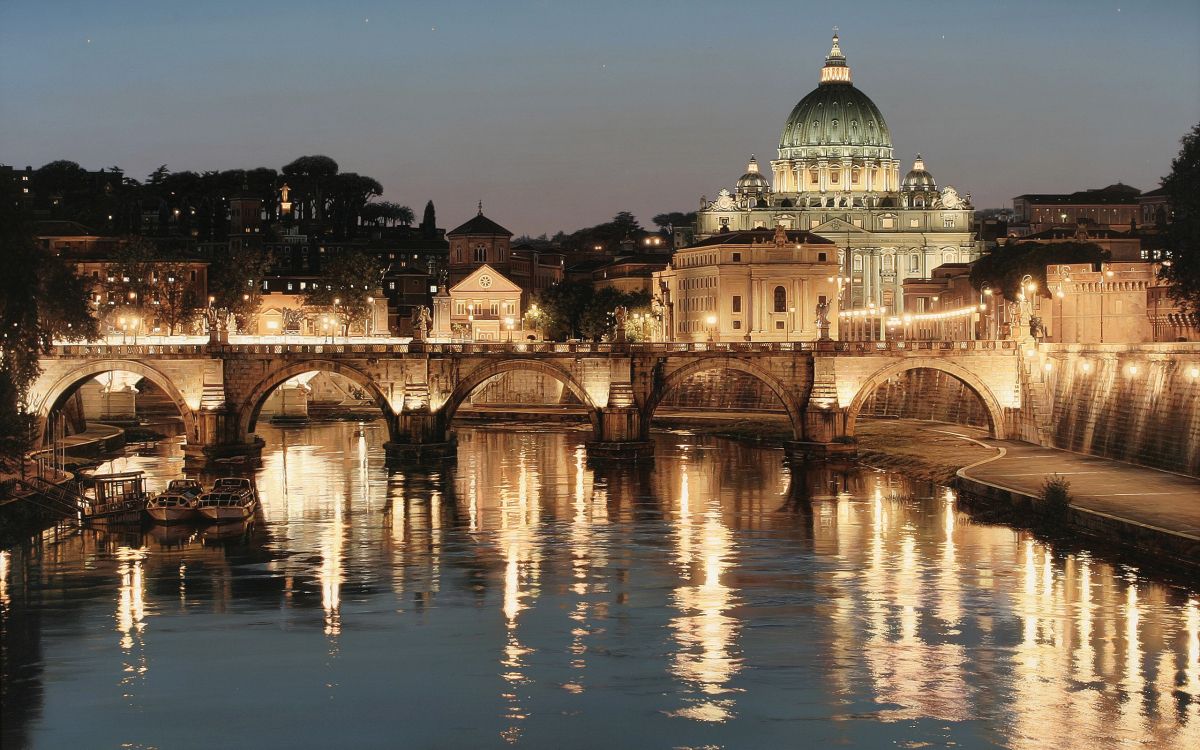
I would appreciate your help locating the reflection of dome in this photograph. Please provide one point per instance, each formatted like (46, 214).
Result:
(918, 179)
(753, 181)
(835, 113)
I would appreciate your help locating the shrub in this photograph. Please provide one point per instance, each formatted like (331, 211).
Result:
(1056, 496)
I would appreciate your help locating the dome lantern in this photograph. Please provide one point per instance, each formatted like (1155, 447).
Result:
(836, 70)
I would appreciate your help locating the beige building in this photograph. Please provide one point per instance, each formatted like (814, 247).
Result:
(1098, 304)
(281, 314)
(756, 285)
(484, 306)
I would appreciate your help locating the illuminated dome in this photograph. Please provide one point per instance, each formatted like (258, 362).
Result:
(918, 179)
(835, 119)
(753, 181)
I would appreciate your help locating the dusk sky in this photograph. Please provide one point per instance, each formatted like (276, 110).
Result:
(558, 115)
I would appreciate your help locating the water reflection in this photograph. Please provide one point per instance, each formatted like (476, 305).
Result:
(523, 597)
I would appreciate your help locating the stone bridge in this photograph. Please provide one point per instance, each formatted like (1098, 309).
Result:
(220, 389)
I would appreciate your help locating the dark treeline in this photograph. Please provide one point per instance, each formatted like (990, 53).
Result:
(196, 204)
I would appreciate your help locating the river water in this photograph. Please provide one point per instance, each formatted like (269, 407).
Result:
(522, 598)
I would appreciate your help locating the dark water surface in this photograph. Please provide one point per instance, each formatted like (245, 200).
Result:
(523, 598)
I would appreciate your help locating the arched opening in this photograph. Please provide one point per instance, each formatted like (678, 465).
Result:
(780, 299)
(933, 391)
(721, 389)
(333, 383)
(518, 385)
(123, 393)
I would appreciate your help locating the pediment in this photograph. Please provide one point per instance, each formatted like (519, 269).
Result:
(837, 226)
(485, 280)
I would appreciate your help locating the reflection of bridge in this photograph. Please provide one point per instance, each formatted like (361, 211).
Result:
(220, 389)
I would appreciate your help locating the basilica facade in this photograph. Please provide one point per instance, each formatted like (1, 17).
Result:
(837, 177)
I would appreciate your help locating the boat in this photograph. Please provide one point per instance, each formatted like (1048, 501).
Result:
(176, 503)
(115, 498)
(230, 499)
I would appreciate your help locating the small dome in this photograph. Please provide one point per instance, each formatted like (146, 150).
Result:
(918, 179)
(753, 181)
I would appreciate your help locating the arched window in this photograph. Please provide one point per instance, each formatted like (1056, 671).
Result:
(780, 299)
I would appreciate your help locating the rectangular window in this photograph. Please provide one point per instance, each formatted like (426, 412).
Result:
(392, 285)
(460, 309)
(948, 222)
(858, 223)
(495, 307)
(737, 257)
(737, 303)
(914, 223)
(889, 222)
(737, 324)
(822, 257)
(289, 286)
(814, 223)
(779, 325)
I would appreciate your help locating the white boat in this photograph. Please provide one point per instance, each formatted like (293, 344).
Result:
(176, 503)
(230, 499)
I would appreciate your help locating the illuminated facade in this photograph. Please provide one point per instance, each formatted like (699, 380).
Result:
(836, 176)
(759, 285)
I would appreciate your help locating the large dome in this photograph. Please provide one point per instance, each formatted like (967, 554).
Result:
(835, 115)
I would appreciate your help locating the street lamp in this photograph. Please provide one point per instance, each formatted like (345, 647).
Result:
(508, 323)
(711, 320)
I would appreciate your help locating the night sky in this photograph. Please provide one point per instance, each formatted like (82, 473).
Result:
(558, 115)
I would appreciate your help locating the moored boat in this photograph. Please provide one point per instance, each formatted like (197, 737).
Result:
(176, 503)
(115, 498)
(230, 499)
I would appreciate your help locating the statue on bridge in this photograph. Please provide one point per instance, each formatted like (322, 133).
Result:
(420, 322)
(823, 320)
(620, 315)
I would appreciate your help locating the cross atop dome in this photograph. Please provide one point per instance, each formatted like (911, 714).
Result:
(836, 70)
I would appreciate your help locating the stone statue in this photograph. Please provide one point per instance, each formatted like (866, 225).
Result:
(420, 322)
(823, 320)
(620, 315)
(781, 238)
(950, 199)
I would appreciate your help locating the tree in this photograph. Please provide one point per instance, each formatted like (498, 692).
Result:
(599, 314)
(1003, 268)
(1183, 233)
(41, 300)
(669, 221)
(129, 284)
(345, 289)
(429, 221)
(310, 177)
(177, 303)
(235, 282)
(560, 308)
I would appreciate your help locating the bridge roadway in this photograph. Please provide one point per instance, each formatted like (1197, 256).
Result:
(220, 388)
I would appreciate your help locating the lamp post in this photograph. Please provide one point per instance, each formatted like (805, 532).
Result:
(791, 322)
(1029, 289)
(711, 320)
(508, 323)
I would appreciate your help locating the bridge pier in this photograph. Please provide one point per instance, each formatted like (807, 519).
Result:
(623, 435)
(217, 441)
(824, 433)
(420, 435)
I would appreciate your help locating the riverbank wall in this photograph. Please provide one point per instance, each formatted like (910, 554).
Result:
(1161, 547)
(1138, 403)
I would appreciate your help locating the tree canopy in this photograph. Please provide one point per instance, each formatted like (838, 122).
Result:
(574, 309)
(348, 282)
(41, 300)
(1182, 186)
(1004, 267)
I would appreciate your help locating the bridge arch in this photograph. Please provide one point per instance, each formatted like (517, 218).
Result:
(250, 408)
(56, 395)
(990, 403)
(794, 411)
(477, 377)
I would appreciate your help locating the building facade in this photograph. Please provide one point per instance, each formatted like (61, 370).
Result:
(756, 285)
(836, 176)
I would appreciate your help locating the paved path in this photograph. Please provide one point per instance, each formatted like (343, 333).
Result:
(1150, 497)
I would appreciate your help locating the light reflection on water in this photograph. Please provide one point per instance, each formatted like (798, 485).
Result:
(524, 598)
